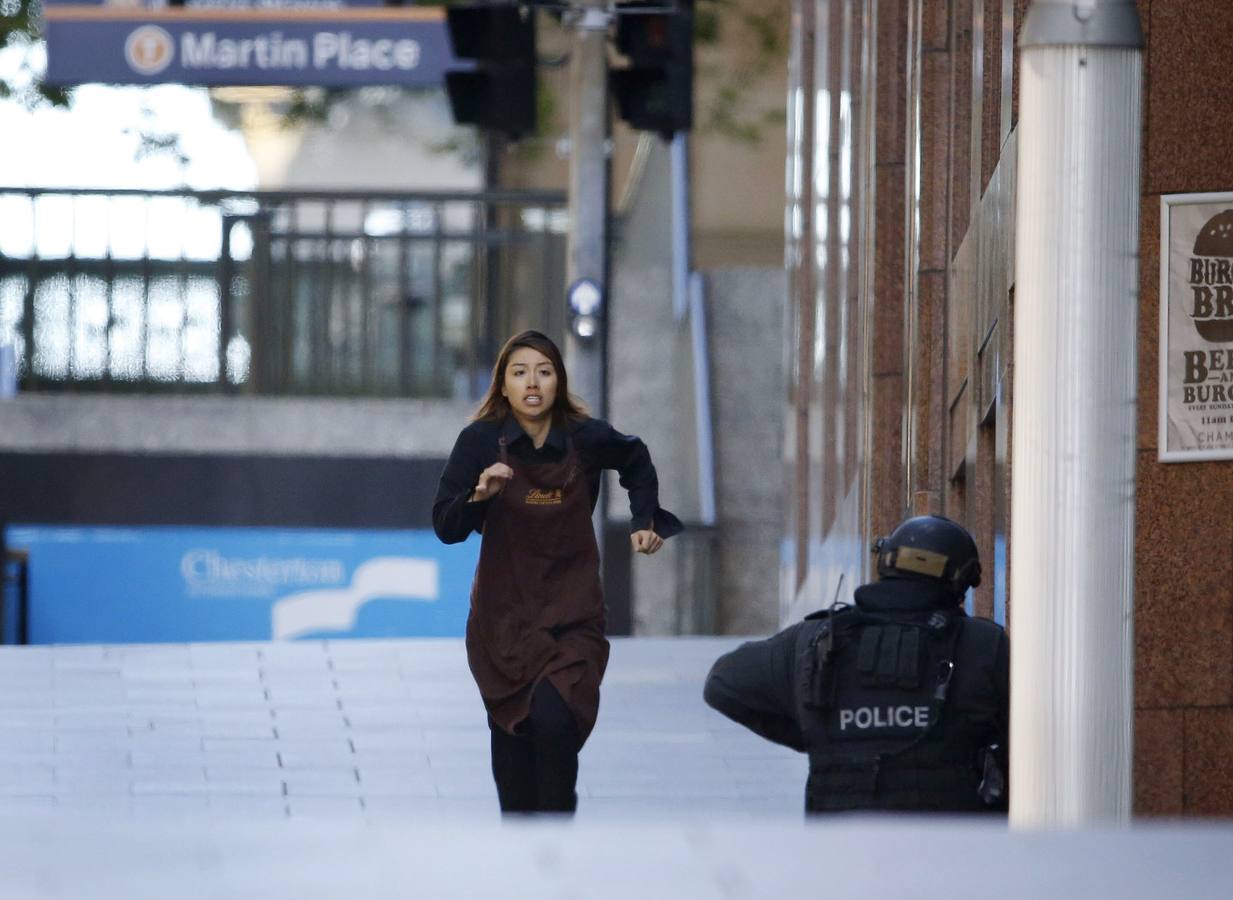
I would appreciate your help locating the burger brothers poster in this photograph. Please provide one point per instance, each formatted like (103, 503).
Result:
(1196, 327)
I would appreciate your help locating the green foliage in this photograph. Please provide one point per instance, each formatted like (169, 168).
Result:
(20, 34)
(755, 34)
(309, 105)
(706, 21)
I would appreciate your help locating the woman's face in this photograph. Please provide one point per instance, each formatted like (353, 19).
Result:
(530, 383)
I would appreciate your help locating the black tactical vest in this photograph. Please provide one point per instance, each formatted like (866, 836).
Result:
(897, 709)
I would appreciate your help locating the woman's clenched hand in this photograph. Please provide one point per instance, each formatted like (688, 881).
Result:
(645, 541)
(492, 481)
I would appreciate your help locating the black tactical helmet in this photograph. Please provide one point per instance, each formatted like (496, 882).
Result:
(933, 548)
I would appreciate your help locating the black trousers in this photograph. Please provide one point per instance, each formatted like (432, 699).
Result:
(536, 770)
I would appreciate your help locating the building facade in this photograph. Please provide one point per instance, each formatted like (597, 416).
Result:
(903, 135)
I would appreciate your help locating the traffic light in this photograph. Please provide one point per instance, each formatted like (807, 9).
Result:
(656, 92)
(499, 94)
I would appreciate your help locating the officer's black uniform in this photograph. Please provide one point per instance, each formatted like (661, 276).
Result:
(901, 701)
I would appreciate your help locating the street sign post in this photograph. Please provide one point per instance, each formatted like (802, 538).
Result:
(249, 42)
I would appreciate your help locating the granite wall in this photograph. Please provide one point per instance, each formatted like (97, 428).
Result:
(1183, 590)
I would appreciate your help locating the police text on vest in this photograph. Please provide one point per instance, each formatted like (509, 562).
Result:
(864, 717)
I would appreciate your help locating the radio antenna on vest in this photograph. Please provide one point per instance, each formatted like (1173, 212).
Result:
(830, 621)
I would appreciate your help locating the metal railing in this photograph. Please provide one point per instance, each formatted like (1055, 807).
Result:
(336, 293)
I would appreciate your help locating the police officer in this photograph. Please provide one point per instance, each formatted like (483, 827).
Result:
(901, 700)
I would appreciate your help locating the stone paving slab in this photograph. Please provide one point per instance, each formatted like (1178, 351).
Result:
(352, 729)
(360, 769)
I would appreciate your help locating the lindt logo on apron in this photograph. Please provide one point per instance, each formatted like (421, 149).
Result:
(541, 497)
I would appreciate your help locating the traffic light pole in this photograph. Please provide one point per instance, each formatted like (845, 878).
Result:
(587, 258)
(588, 197)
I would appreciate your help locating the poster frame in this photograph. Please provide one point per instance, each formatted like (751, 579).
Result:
(1163, 454)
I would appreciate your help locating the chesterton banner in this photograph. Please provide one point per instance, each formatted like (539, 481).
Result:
(152, 584)
(1196, 327)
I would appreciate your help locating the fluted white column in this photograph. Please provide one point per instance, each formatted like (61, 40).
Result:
(1072, 511)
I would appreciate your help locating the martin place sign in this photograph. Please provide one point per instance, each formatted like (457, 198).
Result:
(246, 42)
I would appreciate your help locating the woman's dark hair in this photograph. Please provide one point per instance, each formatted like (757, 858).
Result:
(495, 406)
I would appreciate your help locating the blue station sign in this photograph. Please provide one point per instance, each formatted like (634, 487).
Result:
(100, 584)
(246, 42)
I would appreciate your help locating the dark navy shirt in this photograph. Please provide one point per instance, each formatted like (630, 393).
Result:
(599, 447)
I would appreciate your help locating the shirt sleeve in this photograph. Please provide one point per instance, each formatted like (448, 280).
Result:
(754, 686)
(453, 516)
(628, 455)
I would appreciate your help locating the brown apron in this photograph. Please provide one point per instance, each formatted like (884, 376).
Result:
(537, 610)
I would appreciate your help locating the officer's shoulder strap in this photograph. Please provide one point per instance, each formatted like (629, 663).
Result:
(981, 639)
(827, 612)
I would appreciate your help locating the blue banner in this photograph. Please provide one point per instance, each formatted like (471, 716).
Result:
(158, 584)
(269, 44)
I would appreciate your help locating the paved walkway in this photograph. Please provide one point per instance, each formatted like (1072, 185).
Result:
(360, 769)
(353, 729)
